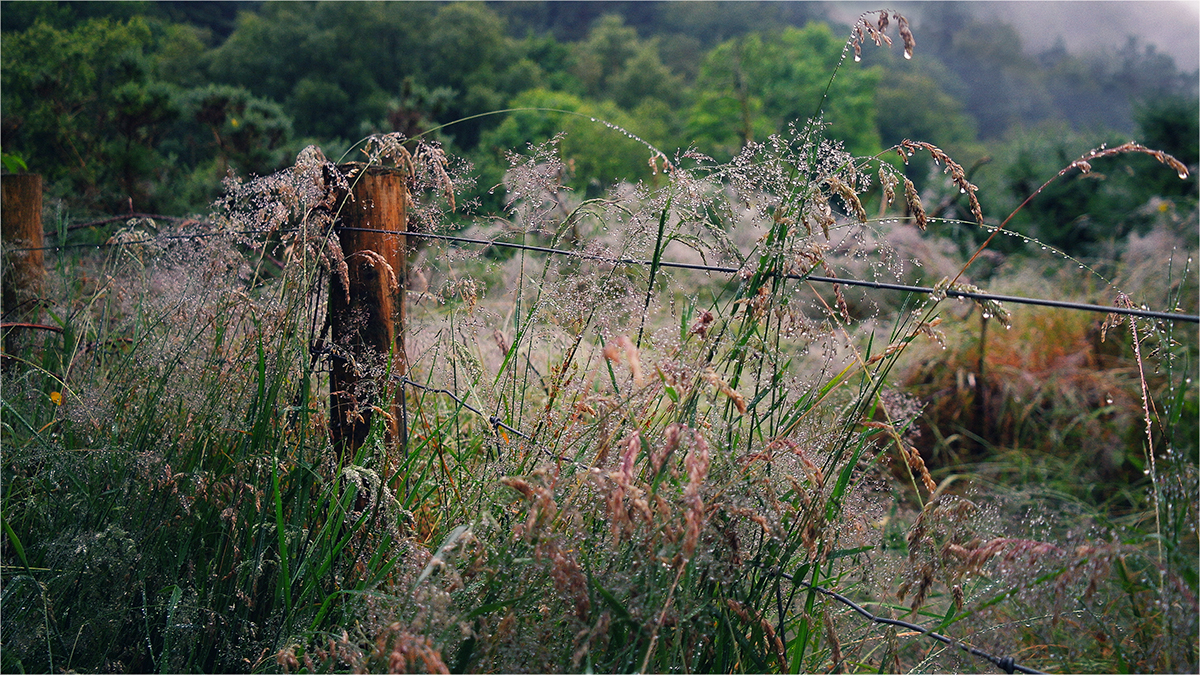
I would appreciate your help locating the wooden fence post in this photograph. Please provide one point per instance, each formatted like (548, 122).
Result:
(21, 228)
(367, 318)
(21, 220)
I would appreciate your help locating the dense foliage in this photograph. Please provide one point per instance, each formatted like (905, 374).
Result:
(147, 106)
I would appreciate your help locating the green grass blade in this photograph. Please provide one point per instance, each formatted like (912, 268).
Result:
(284, 583)
(655, 262)
(16, 543)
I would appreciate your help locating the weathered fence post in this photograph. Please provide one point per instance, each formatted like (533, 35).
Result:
(21, 218)
(21, 226)
(367, 318)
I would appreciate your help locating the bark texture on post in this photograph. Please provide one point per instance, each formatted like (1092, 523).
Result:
(367, 318)
(21, 228)
(21, 221)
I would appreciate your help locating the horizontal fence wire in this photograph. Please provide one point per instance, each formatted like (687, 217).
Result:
(1005, 663)
(1016, 299)
(1139, 312)
(495, 422)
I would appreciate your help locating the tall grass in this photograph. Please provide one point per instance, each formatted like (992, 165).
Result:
(608, 466)
(169, 495)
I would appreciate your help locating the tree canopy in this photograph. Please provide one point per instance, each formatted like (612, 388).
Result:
(150, 105)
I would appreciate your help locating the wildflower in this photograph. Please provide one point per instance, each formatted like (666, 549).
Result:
(906, 35)
(957, 174)
(887, 181)
(820, 211)
(659, 457)
(917, 465)
(635, 361)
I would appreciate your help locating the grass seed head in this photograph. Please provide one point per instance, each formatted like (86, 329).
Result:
(914, 204)
(906, 35)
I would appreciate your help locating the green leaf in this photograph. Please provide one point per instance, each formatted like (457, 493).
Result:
(172, 605)
(13, 163)
(16, 542)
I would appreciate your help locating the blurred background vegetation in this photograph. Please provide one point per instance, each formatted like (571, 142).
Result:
(148, 106)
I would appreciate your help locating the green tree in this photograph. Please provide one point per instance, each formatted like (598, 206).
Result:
(911, 104)
(753, 86)
(1171, 124)
(1087, 214)
(343, 70)
(81, 105)
(614, 64)
(331, 65)
(986, 65)
(19, 17)
(466, 49)
(179, 52)
(593, 145)
(249, 134)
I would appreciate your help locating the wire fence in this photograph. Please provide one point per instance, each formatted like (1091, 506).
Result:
(1139, 312)
(1043, 302)
(1005, 663)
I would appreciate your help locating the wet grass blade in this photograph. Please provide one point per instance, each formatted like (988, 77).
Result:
(654, 265)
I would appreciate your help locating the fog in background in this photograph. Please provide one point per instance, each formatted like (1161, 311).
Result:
(1172, 27)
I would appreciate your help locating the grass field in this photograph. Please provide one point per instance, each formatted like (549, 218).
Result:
(608, 466)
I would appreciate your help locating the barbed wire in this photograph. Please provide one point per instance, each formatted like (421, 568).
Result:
(495, 422)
